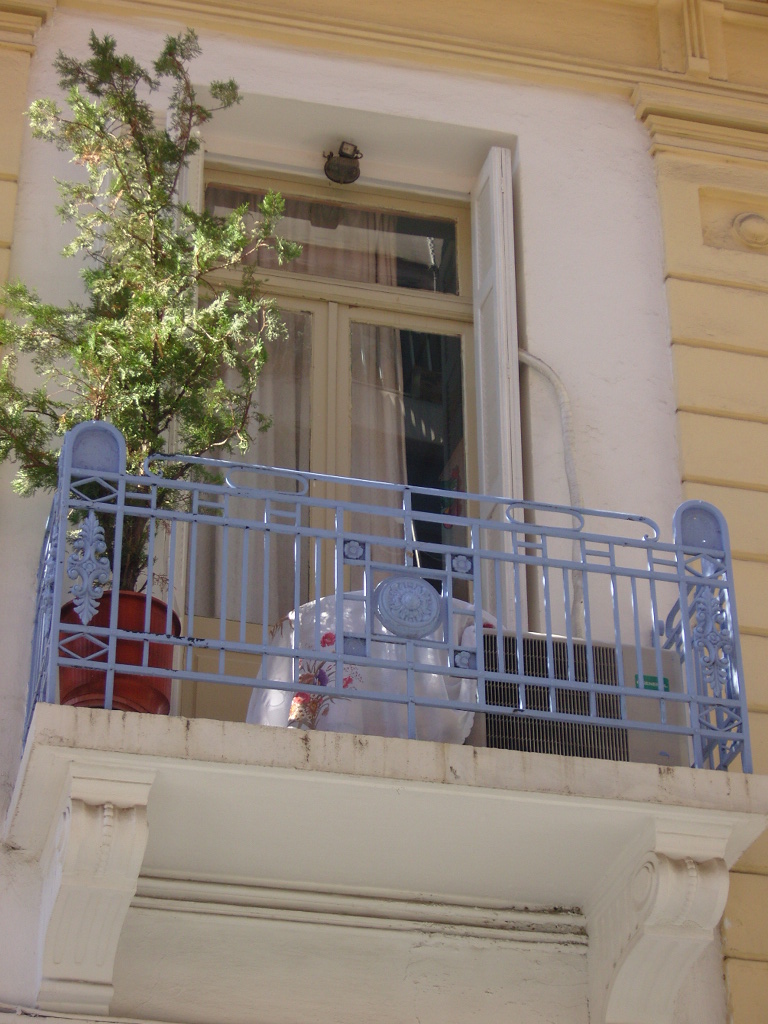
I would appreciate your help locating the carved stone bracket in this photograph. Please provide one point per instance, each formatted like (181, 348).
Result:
(93, 868)
(647, 931)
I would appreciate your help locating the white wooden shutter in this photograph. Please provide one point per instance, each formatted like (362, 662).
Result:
(495, 310)
(191, 186)
(497, 372)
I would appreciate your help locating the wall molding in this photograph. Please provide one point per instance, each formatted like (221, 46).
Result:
(20, 21)
(691, 122)
(662, 41)
(299, 906)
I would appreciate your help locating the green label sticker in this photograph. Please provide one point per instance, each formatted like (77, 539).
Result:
(651, 683)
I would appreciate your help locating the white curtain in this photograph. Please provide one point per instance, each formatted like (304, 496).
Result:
(232, 563)
(230, 567)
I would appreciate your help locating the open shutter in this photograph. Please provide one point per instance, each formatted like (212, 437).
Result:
(495, 306)
(497, 372)
(191, 186)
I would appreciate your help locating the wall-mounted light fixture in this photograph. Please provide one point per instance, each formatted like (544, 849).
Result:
(344, 168)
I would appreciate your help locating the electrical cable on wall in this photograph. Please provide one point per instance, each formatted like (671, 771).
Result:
(574, 489)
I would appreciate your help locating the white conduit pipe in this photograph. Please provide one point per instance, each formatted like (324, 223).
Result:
(574, 490)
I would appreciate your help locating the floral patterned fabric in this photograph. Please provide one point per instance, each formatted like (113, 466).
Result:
(333, 712)
(307, 708)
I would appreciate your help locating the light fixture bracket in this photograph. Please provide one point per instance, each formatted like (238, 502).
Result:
(343, 168)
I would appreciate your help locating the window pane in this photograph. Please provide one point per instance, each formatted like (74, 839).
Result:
(408, 420)
(354, 243)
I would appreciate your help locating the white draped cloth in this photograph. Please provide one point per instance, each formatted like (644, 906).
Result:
(318, 631)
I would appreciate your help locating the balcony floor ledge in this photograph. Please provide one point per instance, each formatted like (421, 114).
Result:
(344, 857)
(126, 740)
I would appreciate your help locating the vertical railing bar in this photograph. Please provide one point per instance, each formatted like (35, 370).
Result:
(409, 526)
(618, 646)
(410, 689)
(570, 655)
(691, 667)
(244, 581)
(655, 638)
(368, 593)
(42, 644)
(297, 623)
(109, 682)
(266, 624)
(519, 605)
(587, 612)
(59, 574)
(736, 659)
(550, 646)
(336, 653)
(339, 524)
(477, 595)
(150, 587)
(638, 645)
(224, 583)
(317, 590)
(171, 576)
(192, 576)
(409, 530)
(690, 661)
(498, 614)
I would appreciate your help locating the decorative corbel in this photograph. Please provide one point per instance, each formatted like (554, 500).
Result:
(647, 931)
(93, 870)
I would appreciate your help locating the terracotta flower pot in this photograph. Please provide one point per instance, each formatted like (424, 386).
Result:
(84, 687)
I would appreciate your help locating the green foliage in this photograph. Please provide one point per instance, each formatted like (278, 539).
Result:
(150, 343)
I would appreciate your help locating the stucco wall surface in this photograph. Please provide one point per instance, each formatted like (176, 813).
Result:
(589, 247)
(591, 272)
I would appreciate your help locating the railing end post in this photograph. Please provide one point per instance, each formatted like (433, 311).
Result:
(93, 446)
(699, 524)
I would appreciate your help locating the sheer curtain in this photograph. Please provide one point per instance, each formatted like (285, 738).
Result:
(225, 578)
(231, 565)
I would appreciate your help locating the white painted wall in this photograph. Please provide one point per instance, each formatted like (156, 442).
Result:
(589, 247)
(589, 243)
(588, 228)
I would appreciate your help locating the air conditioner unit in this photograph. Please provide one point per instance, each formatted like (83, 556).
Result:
(532, 730)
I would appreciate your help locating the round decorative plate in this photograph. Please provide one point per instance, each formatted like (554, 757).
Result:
(407, 606)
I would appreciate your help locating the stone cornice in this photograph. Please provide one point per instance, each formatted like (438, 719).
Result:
(688, 120)
(19, 21)
(610, 45)
(20, 10)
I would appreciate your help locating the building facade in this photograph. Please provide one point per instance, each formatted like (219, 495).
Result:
(151, 869)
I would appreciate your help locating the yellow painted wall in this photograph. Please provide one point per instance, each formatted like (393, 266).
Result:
(712, 173)
(698, 73)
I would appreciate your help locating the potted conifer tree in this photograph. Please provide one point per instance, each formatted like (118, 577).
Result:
(146, 346)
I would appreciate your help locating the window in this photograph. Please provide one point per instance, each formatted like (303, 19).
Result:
(381, 377)
(361, 359)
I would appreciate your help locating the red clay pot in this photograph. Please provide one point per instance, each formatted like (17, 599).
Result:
(84, 687)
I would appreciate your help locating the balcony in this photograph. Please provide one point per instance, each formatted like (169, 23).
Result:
(418, 820)
(510, 624)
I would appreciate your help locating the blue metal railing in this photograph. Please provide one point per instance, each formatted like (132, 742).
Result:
(373, 607)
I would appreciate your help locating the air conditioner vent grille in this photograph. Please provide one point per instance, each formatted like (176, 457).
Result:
(531, 730)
